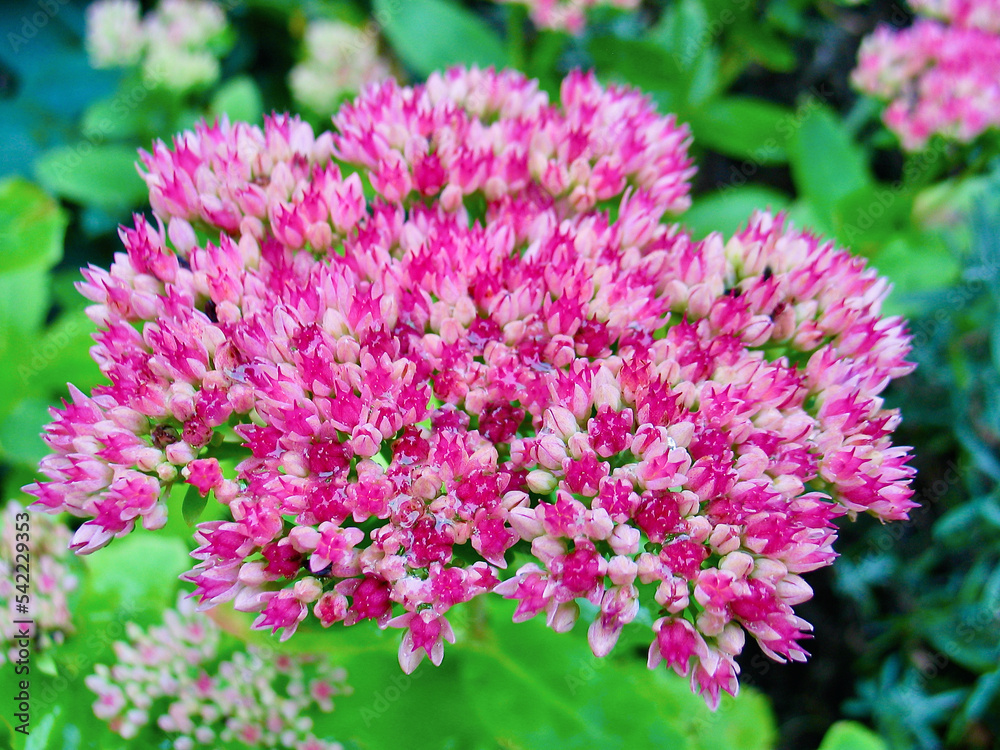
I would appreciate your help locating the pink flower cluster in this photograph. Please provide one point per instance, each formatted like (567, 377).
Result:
(175, 671)
(454, 335)
(938, 77)
(566, 15)
(36, 551)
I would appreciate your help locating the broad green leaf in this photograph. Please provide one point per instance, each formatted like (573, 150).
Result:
(871, 217)
(38, 737)
(689, 38)
(113, 119)
(61, 356)
(683, 32)
(31, 227)
(524, 686)
(105, 175)
(983, 695)
(24, 299)
(743, 127)
(20, 432)
(758, 43)
(641, 63)
(826, 164)
(727, 210)
(193, 506)
(849, 735)
(678, 85)
(432, 35)
(915, 263)
(135, 578)
(240, 99)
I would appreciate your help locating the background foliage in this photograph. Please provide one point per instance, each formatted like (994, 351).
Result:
(906, 624)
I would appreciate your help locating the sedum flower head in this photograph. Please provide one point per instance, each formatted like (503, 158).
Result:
(938, 77)
(464, 355)
(339, 60)
(39, 548)
(176, 673)
(114, 33)
(178, 44)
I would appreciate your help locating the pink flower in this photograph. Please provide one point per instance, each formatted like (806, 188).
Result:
(212, 700)
(425, 634)
(481, 363)
(937, 78)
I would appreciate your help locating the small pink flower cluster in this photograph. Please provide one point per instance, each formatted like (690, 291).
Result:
(939, 77)
(254, 697)
(566, 15)
(453, 334)
(44, 563)
(178, 44)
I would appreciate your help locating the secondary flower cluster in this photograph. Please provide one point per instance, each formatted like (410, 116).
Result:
(454, 334)
(178, 44)
(49, 579)
(566, 15)
(938, 76)
(174, 672)
(339, 60)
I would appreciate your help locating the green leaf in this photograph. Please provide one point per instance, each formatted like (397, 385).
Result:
(680, 78)
(104, 176)
(24, 300)
(849, 735)
(38, 737)
(683, 32)
(20, 432)
(432, 35)
(135, 578)
(31, 227)
(193, 506)
(758, 43)
(826, 164)
(744, 127)
(240, 99)
(524, 686)
(982, 697)
(640, 63)
(727, 210)
(112, 118)
(915, 263)
(869, 218)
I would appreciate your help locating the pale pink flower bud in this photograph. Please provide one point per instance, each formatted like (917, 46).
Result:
(740, 564)
(308, 589)
(563, 617)
(622, 570)
(731, 640)
(541, 481)
(525, 523)
(366, 440)
(561, 422)
(625, 540)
